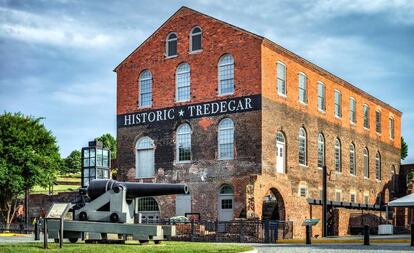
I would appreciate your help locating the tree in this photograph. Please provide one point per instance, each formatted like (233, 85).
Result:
(109, 142)
(72, 163)
(404, 149)
(29, 156)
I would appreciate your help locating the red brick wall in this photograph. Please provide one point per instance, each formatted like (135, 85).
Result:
(218, 39)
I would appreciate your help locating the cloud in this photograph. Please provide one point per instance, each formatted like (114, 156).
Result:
(81, 94)
(60, 31)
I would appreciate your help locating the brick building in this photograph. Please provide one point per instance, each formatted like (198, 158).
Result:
(247, 125)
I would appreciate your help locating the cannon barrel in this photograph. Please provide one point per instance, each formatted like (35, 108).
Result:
(98, 187)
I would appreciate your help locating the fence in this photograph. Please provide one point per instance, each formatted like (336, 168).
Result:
(17, 228)
(244, 231)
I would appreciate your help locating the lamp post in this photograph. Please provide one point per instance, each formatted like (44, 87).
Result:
(324, 202)
(96, 161)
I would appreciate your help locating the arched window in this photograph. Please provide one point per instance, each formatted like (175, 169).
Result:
(184, 143)
(366, 163)
(226, 75)
(195, 39)
(321, 151)
(352, 169)
(145, 88)
(302, 147)
(280, 152)
(171, 45)
(225, 203)
(303, 92)
(321, 97)
(182, 82)
(338, 165)
(281, 78)
(378, 166)
(144, 159)
(147, 204)
(226, 139)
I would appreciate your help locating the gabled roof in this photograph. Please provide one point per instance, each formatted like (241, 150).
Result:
(175, 14)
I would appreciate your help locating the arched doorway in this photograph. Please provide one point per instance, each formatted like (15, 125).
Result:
(148, 209)
(273, 206)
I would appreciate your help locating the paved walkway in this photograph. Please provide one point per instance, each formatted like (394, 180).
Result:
(336, 248)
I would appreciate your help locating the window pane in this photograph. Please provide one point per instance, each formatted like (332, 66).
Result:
(366, 116)
(183, 82)
(196, 42)
(99, 155)
(281, 79)
(338, 156)
(378, 121)
(226, 139)
(338, 109)
(302, 89)
(184, 142)
(145, 88)
(321, 151)
(352, 110)
(302, 147)
(172, 48)
(226, 204)
(321, 96)
(226, 74)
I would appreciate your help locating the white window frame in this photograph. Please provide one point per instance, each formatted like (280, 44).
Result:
(192, 33)
(366, 116)
(220, 132)
(140, 80)
(304, 139)
(177, 145)
(304, 187)
(167, 44)
(305, 88)
(378, 166)
(282, 79)
(138, 148)
(323, 97)
(352, 159)
(391, 123)
(179, 72)
(282, 142)
(338, 147)
(338, 114)
(366, 163)
(340, 195)
(321, 142)
(352, 111)
(220, 65)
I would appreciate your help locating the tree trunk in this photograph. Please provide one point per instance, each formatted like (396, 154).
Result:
(7, 227)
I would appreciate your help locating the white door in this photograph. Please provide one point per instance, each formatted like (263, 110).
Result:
(145, 163)
(182, 205)
(280, 157)
(225, 208)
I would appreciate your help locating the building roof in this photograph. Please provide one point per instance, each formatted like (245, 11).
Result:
(406, 201)
(276, 47)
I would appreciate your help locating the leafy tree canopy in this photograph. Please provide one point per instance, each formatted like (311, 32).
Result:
(72, 163)
(29, 156)
(109, 142)
(404, 149)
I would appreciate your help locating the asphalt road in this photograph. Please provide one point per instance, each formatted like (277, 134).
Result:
(336, 248)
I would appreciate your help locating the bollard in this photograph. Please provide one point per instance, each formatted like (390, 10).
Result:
(36, 231)
(308, 234)
(412, 234)
(366, 235)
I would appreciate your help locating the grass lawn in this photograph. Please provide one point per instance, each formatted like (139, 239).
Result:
(164, 247)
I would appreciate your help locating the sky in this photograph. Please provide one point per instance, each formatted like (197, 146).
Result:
(57, 57)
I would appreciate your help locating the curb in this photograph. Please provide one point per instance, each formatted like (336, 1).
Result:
(250, 251)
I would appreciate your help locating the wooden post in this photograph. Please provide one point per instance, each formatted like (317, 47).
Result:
(45, 239)
(324, 202)
(366, 235)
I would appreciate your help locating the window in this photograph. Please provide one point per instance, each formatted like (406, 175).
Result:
(144, 159)
(280, 152)
(226, 75)
(392, 133)
(195, 39)
(338, 104)
(171, 47)
(303, 190)
(366, 199)
(302, 147)
(321, 97)
(353, 197)
(303, 94)
(378, 166)
(378, 121)
(352, 169)
(183, 143)
(352, 110)
(366, 163)
(321, 151)
(182, 82)
(281, 79)
(338, 166)
(145, 88)
(226, 203)
(226, 140)
(147, 204)
(338, 195)
(366, 116)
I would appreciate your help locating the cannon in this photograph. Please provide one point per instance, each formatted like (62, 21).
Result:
(108, 207)
(113, 201)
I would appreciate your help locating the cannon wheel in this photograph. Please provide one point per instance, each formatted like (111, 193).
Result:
(73, 239)
(157, 241)
(143, 241)
(83, 216)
